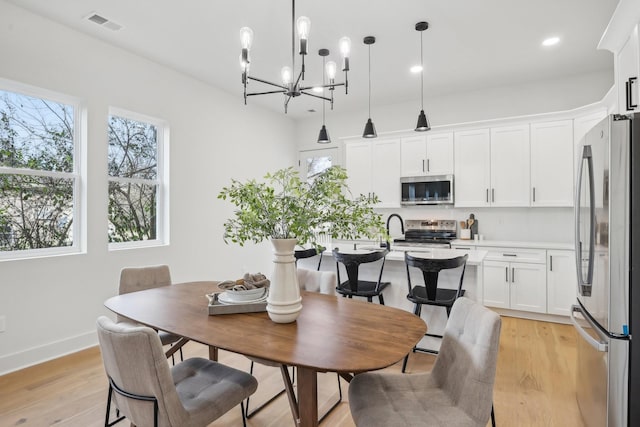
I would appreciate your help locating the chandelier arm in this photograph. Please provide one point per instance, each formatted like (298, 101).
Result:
(266, 93)
(266, 82)
(300, 77)
(316, 96)
(328, 86)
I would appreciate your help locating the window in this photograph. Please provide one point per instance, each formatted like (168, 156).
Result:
(39, 178)
(136, 190)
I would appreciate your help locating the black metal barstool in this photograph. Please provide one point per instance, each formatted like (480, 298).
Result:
(309, 253)
(353, 286)
(430, 293)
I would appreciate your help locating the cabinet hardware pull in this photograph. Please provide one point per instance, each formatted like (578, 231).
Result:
(629, 89)
(510, 255)
(506, 274)
(513, 275)
(428, 168)
(465, 249)
(422, 165)
(493, 195)
(487, 195)
(550, 262)
(534, 194)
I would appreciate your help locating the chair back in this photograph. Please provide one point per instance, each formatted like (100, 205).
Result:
(466, 365)
(133, 279)
(133, 359)
(431, 268)
(309, 253)
(352, 263)
(324, 282)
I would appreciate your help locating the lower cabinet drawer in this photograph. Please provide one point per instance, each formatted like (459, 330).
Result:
(536, 256)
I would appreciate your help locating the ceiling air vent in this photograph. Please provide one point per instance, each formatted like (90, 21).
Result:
(101, 20)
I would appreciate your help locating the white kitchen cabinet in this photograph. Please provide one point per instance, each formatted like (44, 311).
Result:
(373, 168)
(510, 166)
(472, 165)
(515, 279)
(492, 167)
(561, 281)
(552, 162)
(430, 154)
(627, 67)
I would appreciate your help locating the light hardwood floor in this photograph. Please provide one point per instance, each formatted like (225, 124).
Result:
(534, 385)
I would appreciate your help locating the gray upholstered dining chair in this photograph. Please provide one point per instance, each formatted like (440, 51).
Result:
(148, 392)
(457, 392)
(133, 279)
(323, 282)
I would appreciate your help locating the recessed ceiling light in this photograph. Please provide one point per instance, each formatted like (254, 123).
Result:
(551, 41)
(416, 68)
(317, 89)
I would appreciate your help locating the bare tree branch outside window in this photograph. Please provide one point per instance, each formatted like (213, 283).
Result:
(133, 182)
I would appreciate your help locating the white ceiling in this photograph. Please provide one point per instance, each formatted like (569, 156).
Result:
(470, 43)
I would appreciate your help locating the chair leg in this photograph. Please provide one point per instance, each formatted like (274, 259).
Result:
(381, 299)
(493, 417)
(404, 363)
(335, 405)
(369, 299)
(244, 416)
(248, 412)
(106, 418)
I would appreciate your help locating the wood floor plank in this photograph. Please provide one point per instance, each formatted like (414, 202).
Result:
(534, 385)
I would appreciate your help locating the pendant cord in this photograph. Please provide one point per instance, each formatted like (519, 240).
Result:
(421, 75)
(369, 81)
(293, 36)
(324, 65)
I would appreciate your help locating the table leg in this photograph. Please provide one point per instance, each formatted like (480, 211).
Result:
(308, 397)
(213, 353)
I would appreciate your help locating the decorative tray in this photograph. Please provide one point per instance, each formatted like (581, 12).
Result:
(217, 307)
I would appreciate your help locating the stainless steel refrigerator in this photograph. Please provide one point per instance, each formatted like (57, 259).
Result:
(607, 242)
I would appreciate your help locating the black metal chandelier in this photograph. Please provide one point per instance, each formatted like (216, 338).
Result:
(291, 87)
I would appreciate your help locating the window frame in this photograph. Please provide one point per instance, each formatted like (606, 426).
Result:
(79, 173)
(162, 180)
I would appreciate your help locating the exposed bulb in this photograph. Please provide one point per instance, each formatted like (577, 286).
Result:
(331, 69)
(287, 75)
(345, 46)
(304, 26)
(244, 64)
(246, 37)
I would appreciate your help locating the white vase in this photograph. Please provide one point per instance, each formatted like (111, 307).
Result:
(284, 302)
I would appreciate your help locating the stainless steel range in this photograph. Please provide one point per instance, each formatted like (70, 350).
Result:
(431, 233)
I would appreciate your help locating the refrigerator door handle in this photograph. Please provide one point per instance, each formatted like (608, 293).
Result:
(585, 284)
(598, 345)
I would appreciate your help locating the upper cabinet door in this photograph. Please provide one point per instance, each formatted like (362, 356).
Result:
(552, 163)
(385, 172)
(413, 151)
(439, 153)
(472, 168)
(627, 74)
(358, 165)
(510, 166)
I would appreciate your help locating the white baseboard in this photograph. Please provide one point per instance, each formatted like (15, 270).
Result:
(532, 316)
(23, 359)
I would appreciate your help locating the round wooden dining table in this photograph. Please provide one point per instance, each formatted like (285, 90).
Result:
(332, 334)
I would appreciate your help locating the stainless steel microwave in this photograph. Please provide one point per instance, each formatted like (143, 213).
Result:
(427, 190)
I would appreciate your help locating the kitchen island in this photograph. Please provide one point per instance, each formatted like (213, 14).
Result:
(395, 272)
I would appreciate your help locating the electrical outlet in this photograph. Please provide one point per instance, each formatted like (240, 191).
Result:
(3, 323)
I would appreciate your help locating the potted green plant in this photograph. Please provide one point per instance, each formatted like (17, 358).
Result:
(290, 211)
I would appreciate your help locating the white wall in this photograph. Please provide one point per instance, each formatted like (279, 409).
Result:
(51, 304)
(515, 224)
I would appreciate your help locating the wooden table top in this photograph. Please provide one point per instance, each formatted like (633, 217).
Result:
(331, 333)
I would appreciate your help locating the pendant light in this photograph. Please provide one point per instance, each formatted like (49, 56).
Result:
(423, 122)
(330, 67)
(369, 128)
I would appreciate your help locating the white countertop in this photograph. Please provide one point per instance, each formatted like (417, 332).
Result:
(514, 244)
(475, 257)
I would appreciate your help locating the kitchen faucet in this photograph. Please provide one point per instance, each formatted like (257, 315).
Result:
(401, 227)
